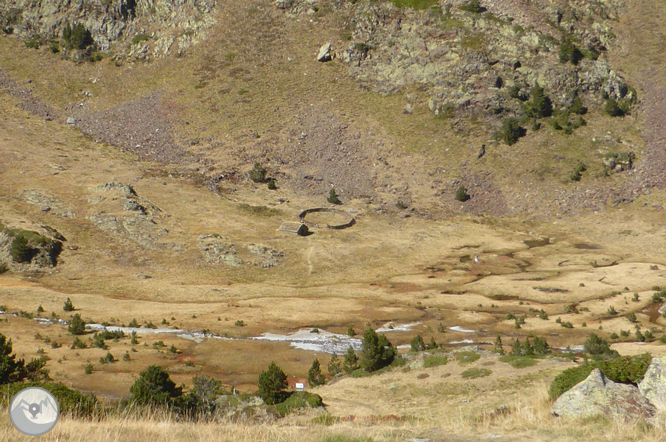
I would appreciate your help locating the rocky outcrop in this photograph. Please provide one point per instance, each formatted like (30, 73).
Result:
(465, 63)
(47, 203)
(599, 395)
(653, 385)
(216, 250)
(138, 28)
(118, 210)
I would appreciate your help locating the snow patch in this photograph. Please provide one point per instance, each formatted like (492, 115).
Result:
(322, 341)
(458, 328)
(391, 327)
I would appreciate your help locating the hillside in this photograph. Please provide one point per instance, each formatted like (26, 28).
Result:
(127, 162)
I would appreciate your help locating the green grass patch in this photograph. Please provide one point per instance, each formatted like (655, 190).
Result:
(259, 210)
(415, 4)
(434, 361)
(467, 357)
(473, 42)
(298, 400)
(325, 419)
(31, 236)
(518, 361)
(473, 373)
(140, 38)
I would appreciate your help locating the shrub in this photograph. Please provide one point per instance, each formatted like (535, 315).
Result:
(577, 173)
(518, 361)
(540, 106)
(351, 332)
(133, 323)
(417, 344)
(205, 390)
(596, 346)
(77, 326)
(332, 197)
(298, 400)
(434, 361)
(77, 37)
(569, 51)
(511, 131)
(377, 351)
(140, 38)
(20, 249)
(351, 361)
(624, 369)
(78, 343)
(258, 173)
(271, 184)
(89, 369)
(135, 338)
(127, 357)
(577, 106)
(154, 387)
(473, 373)
(69, 401)
(631, 317)
(108, 359)
(432, 344)
(461, 194)
(612, 311)
(612, 108)
(272, 383)
(467, 357)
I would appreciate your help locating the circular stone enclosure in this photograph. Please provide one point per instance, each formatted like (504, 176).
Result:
(323, 217)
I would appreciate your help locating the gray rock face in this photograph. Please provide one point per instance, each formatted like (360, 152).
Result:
(216, 250)
(599, 395)
(115, 22)
(284, 4)
(653, 385)
(324, 53)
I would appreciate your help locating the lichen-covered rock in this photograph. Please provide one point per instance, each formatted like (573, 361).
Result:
(215, 249)
(599, 395)
(653, 385)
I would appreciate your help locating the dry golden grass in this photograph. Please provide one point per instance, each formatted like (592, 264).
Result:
(384, 269)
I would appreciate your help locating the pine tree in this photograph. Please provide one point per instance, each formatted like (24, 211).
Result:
(515, 349)
(334, 366)
(498, 345)
(11, 369)
(432, 344)
(154, 387)
(527, 349)
(377, 351)
(77, 326)
(418, 344)
(333, 197)
(272, 383)
(68, 307)
(351, 361)
(315, 376)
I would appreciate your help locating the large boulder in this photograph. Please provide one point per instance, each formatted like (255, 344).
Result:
(599, 395)
(653, 385)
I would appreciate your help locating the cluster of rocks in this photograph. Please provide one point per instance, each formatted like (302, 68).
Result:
(164, 26)
(598, 395)
(47, 203)
(120, 211)
(217, 249)
(465, 63)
